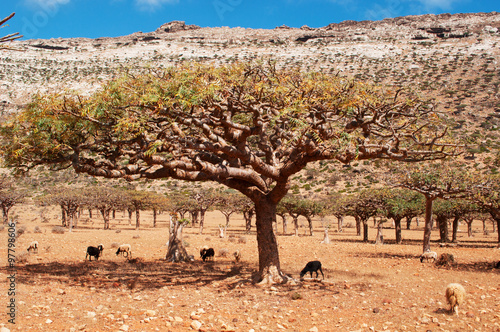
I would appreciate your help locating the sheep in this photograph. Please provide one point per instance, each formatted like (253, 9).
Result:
(455, 294)
(33, 246)
(237, 255)
(428, 255)
(124, 249)
(94, 251)
(311, 267)
(207, 253)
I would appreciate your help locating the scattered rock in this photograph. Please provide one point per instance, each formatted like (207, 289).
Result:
(376, 310)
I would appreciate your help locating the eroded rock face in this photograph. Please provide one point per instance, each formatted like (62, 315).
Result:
(175, 26)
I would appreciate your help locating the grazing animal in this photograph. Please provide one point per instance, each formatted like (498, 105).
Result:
(428, 255)
(33, 246)
(311, 267)
(207, 253)
(94, 251)
(455, 294)
(125, 250)
(497, 265)
(237, 255)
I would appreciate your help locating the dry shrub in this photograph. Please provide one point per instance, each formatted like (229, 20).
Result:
(223, 252)
(115, 245)
(208, 239)
(445, 260)
(242, 239)
(20, 230)
(118, 231)
(136, 236)
(37, 230)
(58, 230)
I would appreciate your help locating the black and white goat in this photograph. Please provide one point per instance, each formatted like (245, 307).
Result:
(33, 246)
(94, 251)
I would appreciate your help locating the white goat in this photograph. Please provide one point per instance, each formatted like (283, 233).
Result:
(455, 295)
(428, 255)
(124, 249)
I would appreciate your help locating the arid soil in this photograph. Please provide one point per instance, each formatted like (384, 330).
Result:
(367, 287)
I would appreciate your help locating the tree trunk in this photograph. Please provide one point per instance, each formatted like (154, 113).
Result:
(105, 216)
(442, 223)
(155, 216)
(358, 225)
(176, 251)
(365, 231)
(248, 221)
(380, 236)
(202, 220)
(309, 220)
(454, 230)
(90, 213)
(408, 222)
(469, 228)
(137, 219)
(326, 239)
(340, 223)
(130, 211)
(63, 216)
(269, 262)
(285, 224)
(296, 225)
(397, 229)
(228, 216)
(428, 223)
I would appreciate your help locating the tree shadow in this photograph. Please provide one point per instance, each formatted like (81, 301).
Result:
(135, 273)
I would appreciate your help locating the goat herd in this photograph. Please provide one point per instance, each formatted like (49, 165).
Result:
(455, 293)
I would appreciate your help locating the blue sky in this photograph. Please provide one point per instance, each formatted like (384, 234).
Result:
(109, 18)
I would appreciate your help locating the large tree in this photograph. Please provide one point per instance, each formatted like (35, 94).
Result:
(248, 126)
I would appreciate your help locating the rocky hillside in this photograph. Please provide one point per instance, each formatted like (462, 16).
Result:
(453, 59)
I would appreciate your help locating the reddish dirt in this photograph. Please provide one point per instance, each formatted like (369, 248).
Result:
(367, 287)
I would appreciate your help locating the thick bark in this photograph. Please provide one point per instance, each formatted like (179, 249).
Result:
(63, 216)
(428, 223)
(309, 220)
(340, 223)
(442, 223)
(408, 222)
(365, 230)
(380, 234)
(130, 211)
(454, 230)
(397, 228)
(176, 251)
(248, 221)
(269, 262)
(358, 225)
(137, 219)
(202, 220)
(285, 224)
(296, 225)
(105, 216)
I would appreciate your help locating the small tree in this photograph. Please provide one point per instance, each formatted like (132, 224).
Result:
(487, 195)
(401, 203)
(9, 196)
(435, 181)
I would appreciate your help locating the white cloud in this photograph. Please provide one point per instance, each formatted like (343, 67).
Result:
(49, 3)
(441, 4)
(153, 4)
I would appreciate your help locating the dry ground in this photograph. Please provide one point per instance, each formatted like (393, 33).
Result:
(367, 287)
